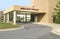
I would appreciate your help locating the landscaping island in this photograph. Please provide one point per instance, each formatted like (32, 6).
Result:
(7, 26)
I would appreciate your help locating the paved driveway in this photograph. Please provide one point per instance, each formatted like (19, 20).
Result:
(31, 31)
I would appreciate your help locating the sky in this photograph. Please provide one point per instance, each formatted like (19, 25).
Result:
(4, 4)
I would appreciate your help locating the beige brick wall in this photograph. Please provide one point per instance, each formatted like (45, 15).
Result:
(45, 6)
(52, 4)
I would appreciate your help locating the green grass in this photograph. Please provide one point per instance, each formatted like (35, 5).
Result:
(7, 26)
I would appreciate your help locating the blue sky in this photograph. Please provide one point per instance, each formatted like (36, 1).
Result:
(4, 4)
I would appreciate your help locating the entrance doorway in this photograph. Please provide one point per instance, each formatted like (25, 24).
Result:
(29, 17)
(23, 18)
(54, 19)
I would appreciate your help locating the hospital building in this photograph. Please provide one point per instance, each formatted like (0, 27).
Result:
(38, 11)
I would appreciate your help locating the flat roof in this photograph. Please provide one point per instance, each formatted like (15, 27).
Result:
(20, 8)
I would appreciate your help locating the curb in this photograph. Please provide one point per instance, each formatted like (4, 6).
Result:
(53, 26)
(12, 29)
(55, 32)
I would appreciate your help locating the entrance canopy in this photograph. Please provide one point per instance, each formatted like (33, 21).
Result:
(10, 15)
(22, 9)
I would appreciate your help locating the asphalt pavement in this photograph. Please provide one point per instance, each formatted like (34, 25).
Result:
(30, 31)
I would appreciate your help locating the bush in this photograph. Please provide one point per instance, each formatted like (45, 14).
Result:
(57, 20)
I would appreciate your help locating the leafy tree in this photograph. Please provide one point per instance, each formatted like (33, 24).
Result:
(57, 13)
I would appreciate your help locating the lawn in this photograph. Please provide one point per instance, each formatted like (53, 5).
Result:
(7, 26)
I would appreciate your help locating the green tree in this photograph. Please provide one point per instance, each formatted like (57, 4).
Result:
(57, 13)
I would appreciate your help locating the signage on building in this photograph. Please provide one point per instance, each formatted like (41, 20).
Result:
(29, 9)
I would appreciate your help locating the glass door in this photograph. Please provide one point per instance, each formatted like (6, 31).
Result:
(23, 18)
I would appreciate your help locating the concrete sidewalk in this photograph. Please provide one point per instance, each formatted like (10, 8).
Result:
(56, 27)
